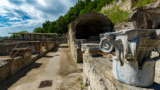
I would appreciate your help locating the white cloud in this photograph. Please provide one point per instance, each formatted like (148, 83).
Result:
(38, 10)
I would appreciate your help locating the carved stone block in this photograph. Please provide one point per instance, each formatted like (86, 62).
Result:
(133, 64)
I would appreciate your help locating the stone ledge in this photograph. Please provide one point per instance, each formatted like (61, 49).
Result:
(102, 67)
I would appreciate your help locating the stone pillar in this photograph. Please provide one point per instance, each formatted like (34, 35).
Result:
(133, 64)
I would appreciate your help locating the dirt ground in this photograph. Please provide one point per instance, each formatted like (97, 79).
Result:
(57, 66)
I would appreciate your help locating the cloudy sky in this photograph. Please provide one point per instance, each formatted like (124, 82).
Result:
(25, 15)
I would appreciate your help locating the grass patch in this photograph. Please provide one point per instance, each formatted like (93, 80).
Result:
(142, 3)
(79, 78)
(82, 87)
(81, 83)
(76, 63)
(116, 15)
(85, 61)
(67, 44)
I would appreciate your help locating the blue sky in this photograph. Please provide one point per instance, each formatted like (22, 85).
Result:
(25, 15)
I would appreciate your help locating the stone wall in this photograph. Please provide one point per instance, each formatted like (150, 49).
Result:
(49, 45)
(97, 74)
(10, 66)
(5, 69)
(126, 6)
(35, 46)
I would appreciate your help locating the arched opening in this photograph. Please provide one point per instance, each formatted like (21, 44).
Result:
(90, 29)
(90, 25)
(158, 27)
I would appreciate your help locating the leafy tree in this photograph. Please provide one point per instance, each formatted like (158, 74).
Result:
(81, 7)
(38, 30)
(18, 34)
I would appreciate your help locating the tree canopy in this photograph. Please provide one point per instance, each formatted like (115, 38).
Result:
(18, 34)
(81, 7)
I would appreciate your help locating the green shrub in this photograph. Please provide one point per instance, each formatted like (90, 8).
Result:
(116, 15)
(142, 3)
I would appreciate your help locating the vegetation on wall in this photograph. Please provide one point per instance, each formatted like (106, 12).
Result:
(116, 15)
(138, 3)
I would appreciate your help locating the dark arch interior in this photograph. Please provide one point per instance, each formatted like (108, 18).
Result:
(158, 27)
(149, 24)
(90, 28)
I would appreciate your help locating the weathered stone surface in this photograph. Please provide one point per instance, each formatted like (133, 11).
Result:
(23, 58)
(35, 46)
(111, 5)
(126, 6)
(146, 17)
(99, 70)
(90, 48)
(86, 29)
(49, 45)
(132, 64)
(132, 75)
(124, 26)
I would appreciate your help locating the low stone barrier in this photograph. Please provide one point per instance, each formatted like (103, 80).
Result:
(49, 45)
(5, 69)
(9, 67)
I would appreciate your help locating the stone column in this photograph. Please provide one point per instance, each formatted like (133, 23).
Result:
(133, 64)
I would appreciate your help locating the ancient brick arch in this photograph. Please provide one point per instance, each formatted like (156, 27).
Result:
(90, 24)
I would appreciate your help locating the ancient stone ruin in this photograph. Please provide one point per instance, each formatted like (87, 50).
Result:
(133, 64)
(121, 60)
(86, 29)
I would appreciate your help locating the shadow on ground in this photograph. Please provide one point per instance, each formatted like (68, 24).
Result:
(63, 46)
(19, 74)
(48, 56)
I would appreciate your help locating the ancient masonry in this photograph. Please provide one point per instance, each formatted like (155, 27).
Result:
(86, 28)
(23, 53)
(121, 60)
